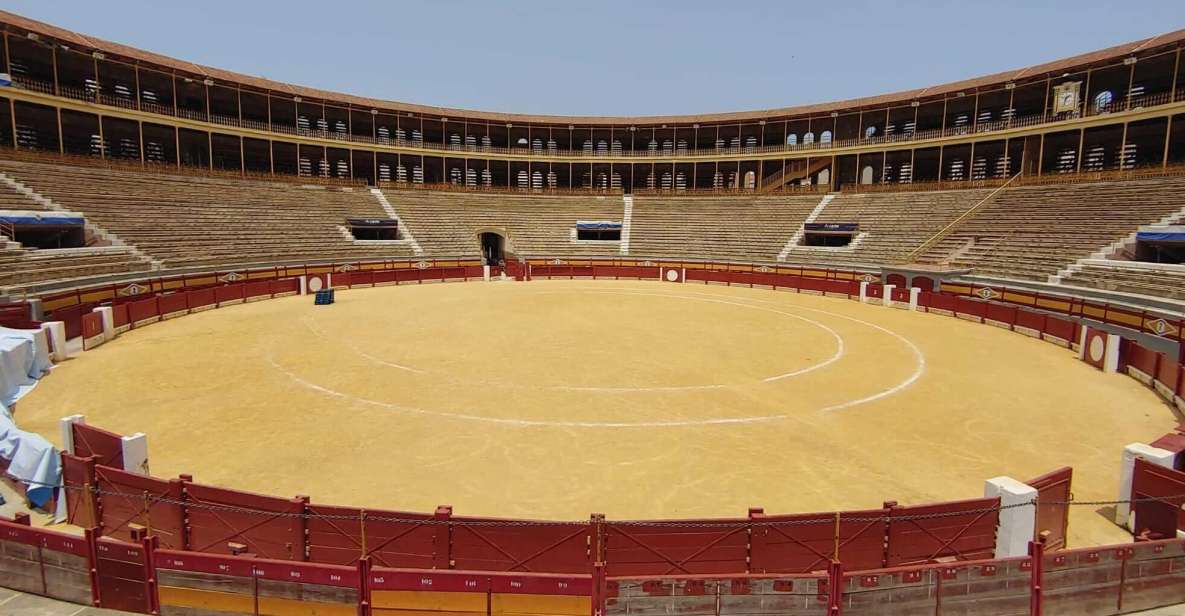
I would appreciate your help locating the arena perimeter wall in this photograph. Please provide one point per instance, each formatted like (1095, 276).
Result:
(158, 546)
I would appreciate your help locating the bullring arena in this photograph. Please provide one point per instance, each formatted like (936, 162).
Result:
(701, 401)
(268, 349)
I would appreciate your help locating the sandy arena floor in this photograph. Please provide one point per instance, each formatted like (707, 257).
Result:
(635, 399)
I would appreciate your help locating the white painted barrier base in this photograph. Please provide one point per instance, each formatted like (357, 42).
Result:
(1018, 521)
(1155, 455)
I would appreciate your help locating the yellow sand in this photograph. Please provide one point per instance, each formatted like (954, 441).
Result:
(635, 399)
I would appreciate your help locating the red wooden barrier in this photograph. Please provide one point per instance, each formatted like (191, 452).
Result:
(92, 327)
(808, 542)
(142, 310)
(130, 504)
(78, 476)
(173, 302)
(228, 293)
(1158, 492)
(1141, 358)
(968, 536)
(201, 297)
(106, 447)
(122, 583)
(503, 545)
(1053, 509)
(1060, 328)
(407, 544)
(257, 289)
(711, 546)
(1030, 320)
(272, 528)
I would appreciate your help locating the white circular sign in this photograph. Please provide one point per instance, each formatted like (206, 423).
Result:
(672, 275)
(314, 283)
(1097, 348)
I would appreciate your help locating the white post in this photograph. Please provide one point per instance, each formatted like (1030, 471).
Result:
(863, 292)
(135, 453)
(887, 295)
(485, 272)
(1155, 455)
(304, 285)
(108, 321)
(914, 292)
(1018, 520)
(1111, 358)
(65, 425)
(56, 330)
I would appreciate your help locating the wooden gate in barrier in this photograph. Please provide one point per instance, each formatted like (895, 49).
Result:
(106, 446)
(1158, 493)
(1053, 506)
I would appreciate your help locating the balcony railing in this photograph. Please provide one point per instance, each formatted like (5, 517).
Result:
(825, 147)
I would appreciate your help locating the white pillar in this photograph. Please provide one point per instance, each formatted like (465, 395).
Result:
(135, 453)
(56, 330)
(914, 292)
(304, 285)
(1111, 358)
(863, 292)
(65, 425)
(1155, 455)
(485, 272)
(108, 321)
(887, 295)
(1018, 523)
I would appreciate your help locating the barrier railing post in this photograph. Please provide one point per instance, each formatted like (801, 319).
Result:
(92, 558)
(835, 589)
(185, 480)
(364, 586)
(598, 589)
(1037, 556)
(151, 590)
(303, 521)
(442, 552)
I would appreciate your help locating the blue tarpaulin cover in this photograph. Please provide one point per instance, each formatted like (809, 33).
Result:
(597, 225)
(24, 358)
(37, 218)
(1161, 236)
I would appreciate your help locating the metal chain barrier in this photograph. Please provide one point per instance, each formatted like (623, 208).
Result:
(828, 518)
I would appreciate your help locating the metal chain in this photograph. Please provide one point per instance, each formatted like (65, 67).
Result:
(807, 520)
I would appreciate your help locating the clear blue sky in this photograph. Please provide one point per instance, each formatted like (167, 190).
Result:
(612, 57)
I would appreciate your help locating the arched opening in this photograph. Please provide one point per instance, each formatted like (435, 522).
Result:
(825, 176)
(1102, 101)
(491, 248)
(825, 137)
(866, 175)
(924, 283)
(792, 139)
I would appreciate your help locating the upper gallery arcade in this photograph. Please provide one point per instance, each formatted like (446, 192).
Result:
(1113, 109)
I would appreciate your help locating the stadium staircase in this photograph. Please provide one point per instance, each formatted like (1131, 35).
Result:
(942, 234)
(781, 178)
(1114, 248)
(797, 237)
(404, 231)
(626, 222)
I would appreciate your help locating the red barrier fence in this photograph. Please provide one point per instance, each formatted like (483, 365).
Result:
(106, 447)
(141, 577)
(1053, 508)
(1159, 493)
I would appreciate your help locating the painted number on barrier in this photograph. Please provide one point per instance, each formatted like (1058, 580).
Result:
(470, 583)
(425, 581)
(561, 585)
(335, 578)
(379, 579)
(294, 574)
(516, 584)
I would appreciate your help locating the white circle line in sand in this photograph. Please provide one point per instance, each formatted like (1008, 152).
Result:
(836, 356)
(919, 370)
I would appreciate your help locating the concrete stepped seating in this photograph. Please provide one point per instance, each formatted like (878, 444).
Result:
(891, 224)
(730, 228)
(190, 222)
(1033, 231)
(535, 225)
(20, 266)
(1168, 282)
